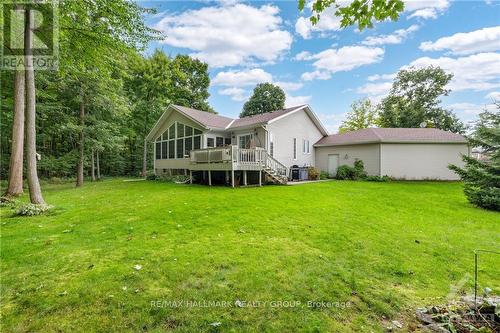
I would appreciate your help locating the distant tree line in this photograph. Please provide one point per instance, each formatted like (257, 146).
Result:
(90, 117)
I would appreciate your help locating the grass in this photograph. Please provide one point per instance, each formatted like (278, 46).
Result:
(375, 251)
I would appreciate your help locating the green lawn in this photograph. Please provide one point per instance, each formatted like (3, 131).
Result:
(375, 251)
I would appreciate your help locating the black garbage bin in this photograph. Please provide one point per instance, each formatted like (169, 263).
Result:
(295, 172)
(299, 173)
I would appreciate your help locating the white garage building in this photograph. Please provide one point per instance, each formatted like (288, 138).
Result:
(401, 153)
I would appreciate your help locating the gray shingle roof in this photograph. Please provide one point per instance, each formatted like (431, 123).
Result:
(261, 118)
(210, 120)
(392, 135)
(214, 121)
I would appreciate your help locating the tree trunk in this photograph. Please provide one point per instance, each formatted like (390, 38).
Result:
(98, 166)
(144, 159)
(92, 168)
(31, 156)
(15, 185)
(81, 145)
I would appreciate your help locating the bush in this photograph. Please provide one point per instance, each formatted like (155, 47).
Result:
(377, 178)
(324, 175)
(30, 209)
(150, 175)
(345, 172)
(359, 170)
(313, 173)
(172, 179)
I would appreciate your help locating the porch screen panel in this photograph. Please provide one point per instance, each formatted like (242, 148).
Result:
(171, 149)
(188, 145)
(171, 132)
(197, 142)
(180, 148)
(158, 150)
(164, 152)
(180, 130)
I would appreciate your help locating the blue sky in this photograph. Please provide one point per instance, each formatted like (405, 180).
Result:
(247, 42)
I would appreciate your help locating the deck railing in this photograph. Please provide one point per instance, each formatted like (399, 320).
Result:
(211, 155)
(253, 158)
(274, 164)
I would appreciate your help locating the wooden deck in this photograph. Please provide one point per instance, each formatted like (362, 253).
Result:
(232, 158)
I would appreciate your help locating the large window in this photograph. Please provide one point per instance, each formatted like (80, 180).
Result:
(219, 141)
(177, 141)
(305, 147)
(271, 144)
(197, 142)
(294, 148)
(245, 141)
(180, 148)
(158, 150)
(171, 149)
(210, 142)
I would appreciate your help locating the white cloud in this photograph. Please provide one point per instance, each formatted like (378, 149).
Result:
(468, 112)
(332, 122)
(289, 86)
(239, 84)
(426, 9)
(228, 35)
(344, 59)
(483, 40)
(375, 89)
(316, 75)
(304, 55)
(242, 78)
(296, 100)
(328, 22)
(475, 72)
(378, 77)
(236, 94)
(495, 95)
(397, 37)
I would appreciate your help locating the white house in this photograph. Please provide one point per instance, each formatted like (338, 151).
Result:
(213, 148)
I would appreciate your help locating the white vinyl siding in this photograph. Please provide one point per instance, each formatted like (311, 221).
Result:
(421, 161)
(297, 125)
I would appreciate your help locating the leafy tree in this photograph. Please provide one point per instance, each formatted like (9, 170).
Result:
(266, 98)
(362, 115)
(360, 12)
(154, 83)
(190, 83)
(482, 177)
(413, 101)
(92, 34)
